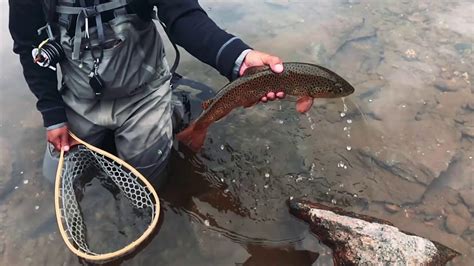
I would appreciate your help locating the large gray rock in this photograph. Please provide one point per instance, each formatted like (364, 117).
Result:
(359, 239)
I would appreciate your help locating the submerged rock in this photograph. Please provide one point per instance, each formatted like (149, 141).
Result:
(468, 197)
(456, 224)
(359, 239)
(392, 208)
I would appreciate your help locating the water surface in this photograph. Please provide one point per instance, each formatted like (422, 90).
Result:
(400, 148)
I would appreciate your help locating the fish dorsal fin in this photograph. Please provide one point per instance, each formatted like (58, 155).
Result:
(207, 103)
(253, 70)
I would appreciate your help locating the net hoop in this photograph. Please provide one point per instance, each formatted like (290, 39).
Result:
(57, 206)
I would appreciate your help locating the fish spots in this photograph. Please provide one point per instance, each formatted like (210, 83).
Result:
(206, 104)
(305, 81)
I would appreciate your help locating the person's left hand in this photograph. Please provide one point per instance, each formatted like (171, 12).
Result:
(256, 58)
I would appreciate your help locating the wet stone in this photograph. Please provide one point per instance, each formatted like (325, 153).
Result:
(468, 131)
(353, 2)
(463, 48)
(452, 198)
(417, 17)
(468, 198)
(449, 85)
(470, 106)
(462, 211)
(392, 208)
(362, 240)
(456, 224)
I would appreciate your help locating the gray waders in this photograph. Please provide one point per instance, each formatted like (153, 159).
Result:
(135, 102)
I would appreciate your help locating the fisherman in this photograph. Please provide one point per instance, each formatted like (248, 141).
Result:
(115, 77)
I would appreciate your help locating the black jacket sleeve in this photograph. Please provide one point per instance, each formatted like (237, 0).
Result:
(25, 17)
(189, 26)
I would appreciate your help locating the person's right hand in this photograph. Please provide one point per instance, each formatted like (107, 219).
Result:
(60, 138)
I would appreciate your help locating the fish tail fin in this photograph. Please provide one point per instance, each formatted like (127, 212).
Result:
(193, 137)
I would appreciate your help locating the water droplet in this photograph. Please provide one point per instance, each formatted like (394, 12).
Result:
(226, 191)
(233, 180)
(267, 175)
(291, 198)
(37, 207)
(341, 185)
(266, 186)
(349, 148)
(345, 166)
(470, 157)
(312, 126)
(206, 223)
(349, 121)
(355, 196)
(333, 201)
(222, 147)
(222, 180)
(159, 152)
(370, 100)
(281, 122)
(403, 106)
(343, 114)
(299, 179)
(268, 147)
(346, 128)
(25, 181)
(21, 172)
(16, 187)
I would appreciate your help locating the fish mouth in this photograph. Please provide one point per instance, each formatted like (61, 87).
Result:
(347, 92)
(342, 88)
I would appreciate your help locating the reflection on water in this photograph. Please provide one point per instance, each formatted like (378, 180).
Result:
(400, 148)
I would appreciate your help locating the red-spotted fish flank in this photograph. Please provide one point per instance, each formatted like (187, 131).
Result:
(305, 81)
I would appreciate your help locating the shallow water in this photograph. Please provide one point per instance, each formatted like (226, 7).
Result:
(402, 151)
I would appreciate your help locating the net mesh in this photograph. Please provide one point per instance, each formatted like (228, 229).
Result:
(76, 162)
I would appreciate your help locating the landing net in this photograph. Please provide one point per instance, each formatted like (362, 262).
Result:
(134, 187)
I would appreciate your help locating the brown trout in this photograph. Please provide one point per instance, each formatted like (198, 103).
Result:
(305, 81)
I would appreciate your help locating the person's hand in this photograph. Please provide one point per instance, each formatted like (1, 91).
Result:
(60, 138)
(256, 58)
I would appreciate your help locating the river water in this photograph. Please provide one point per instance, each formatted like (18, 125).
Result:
(400, 148)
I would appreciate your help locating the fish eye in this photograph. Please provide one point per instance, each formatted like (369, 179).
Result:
(339, 87)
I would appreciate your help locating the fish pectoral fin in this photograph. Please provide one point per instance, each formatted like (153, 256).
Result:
(304, 103)
(206, 103)
(253, 70)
